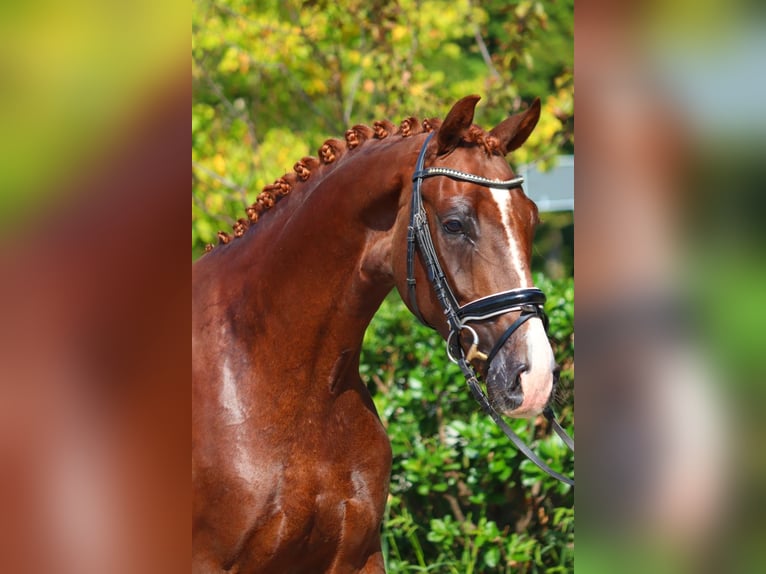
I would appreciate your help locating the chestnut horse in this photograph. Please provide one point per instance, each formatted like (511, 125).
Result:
(290, 462)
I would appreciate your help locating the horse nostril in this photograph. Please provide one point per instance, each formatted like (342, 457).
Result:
(516, 373)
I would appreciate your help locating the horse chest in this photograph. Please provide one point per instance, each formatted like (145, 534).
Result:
(314, 496)
(337, 484)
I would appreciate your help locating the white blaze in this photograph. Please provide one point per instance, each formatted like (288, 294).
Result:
(537, 381)
(502, 198)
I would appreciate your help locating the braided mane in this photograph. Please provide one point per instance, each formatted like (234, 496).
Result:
(334, 149)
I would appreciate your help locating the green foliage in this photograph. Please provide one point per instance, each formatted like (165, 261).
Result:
(462, 498)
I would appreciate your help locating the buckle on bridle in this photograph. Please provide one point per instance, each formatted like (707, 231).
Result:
(454, 348)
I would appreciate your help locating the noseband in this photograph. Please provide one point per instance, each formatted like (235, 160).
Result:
(528, 301)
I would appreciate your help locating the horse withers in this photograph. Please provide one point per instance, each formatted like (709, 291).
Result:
(290, 462)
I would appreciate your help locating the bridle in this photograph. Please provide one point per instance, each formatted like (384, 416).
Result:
(527, 301)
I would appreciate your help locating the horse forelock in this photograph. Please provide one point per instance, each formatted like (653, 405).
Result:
(331, 151)
(478, 136)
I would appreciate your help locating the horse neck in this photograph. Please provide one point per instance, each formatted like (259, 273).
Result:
(314, 271)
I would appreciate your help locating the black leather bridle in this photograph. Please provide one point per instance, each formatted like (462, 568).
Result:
(527, 301)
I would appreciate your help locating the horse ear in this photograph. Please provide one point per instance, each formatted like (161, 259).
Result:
(457, 122)
(514, 131)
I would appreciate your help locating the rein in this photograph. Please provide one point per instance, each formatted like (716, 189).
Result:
(528, 301)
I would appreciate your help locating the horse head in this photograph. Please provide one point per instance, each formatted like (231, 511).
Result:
(481, 227)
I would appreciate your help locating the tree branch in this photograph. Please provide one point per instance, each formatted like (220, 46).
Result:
(485, 52)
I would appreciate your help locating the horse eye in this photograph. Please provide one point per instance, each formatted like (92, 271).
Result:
(453, 226)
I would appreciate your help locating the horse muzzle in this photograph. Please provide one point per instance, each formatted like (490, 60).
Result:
(520, 378)
(504, 384)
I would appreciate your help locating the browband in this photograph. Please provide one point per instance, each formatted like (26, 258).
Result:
(470, 177)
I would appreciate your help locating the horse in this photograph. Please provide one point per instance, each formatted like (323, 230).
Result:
(290, 461)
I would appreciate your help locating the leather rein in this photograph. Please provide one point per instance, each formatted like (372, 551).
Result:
(528, 301)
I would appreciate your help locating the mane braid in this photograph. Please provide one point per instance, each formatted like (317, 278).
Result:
(329, 153)
(333, 150)
(476, 135)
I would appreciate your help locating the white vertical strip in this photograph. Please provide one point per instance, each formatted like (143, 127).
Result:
(502, 198)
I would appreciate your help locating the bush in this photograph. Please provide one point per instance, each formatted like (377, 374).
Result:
(463, 499)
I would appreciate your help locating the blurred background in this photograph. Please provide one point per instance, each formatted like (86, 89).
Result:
(94, 288)
(670, 267)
